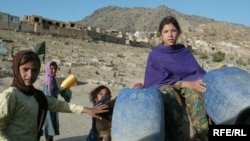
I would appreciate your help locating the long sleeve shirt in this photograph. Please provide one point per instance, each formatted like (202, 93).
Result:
(19, 113)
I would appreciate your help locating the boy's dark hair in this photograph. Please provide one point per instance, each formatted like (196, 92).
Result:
(93, 93)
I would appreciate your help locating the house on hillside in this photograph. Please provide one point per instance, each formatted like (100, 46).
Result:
(8, 21)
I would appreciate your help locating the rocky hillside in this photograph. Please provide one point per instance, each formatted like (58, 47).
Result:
(138, 19)
(201, 33)
(143, 19)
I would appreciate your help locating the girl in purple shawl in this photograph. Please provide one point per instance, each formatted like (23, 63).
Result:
(173, 69)
(50, 87)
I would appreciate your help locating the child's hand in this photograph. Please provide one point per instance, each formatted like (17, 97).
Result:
(99, 108)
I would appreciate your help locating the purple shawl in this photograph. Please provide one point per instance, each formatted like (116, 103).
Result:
(167, 65)
(49, 79)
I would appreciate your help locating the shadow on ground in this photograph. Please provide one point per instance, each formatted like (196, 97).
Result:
(77, 138)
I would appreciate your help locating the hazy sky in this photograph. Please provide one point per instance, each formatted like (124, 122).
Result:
(234, 11)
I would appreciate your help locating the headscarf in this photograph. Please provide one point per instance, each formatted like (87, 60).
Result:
(167, 65)
(49, 79)
(18, 81)
(30, 90)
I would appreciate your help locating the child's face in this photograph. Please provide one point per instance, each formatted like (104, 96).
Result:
(53, 69)
(102, 94)
(169, 34)
(29, 72)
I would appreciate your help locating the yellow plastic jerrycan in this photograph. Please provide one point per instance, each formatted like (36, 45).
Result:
(220, 66)
(68, 82)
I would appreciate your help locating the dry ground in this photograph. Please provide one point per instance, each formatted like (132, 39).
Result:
(114, 65)
(128, 63)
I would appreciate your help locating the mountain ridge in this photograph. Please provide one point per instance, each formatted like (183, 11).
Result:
(141, 19)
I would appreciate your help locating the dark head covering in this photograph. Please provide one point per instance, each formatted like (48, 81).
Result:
(19, 60)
